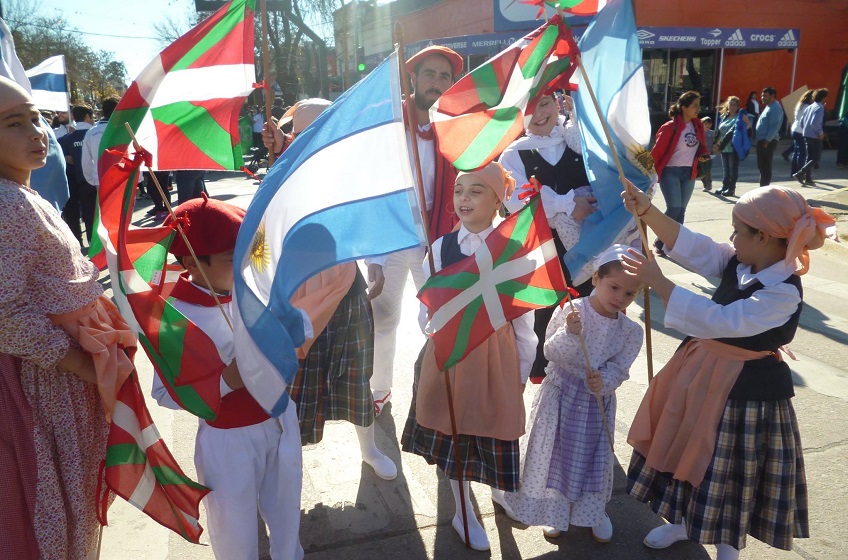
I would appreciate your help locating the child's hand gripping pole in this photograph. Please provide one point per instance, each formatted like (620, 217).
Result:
(590, 372)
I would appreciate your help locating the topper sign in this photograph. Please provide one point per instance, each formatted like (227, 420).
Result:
(215, 5)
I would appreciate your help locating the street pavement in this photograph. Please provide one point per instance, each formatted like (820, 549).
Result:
(349, 513)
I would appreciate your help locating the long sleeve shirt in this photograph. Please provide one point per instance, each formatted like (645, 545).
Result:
(812, 121)
(91, 152)
(768, 125)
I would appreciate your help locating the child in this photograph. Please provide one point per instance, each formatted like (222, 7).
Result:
(487, 385)
(727, 463)
(705, 169)
(567, 465)
(244, 456)
(53, 429)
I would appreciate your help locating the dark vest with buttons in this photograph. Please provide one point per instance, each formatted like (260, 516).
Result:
(450, 252)
(568, 174)
(766, 379)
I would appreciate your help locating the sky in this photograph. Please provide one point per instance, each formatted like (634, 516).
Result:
(123, 28)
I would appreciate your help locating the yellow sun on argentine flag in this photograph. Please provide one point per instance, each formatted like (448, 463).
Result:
(260, 254)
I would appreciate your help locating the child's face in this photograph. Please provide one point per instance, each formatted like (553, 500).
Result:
(474, 203)
(544, 116)
(219, 271)
(614, 292)
(23, 143)
(707, 125)
(744, 241)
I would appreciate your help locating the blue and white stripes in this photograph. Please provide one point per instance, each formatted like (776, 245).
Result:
(49, 82)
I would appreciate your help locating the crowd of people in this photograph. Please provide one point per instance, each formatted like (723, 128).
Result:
(702, 466)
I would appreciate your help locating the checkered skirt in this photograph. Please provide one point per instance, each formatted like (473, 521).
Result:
(755, 484)
(332, 382)
(494, 462)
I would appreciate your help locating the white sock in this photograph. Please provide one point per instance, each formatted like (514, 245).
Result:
(726, 552)
(666, 535)
(382, 465)
(476, 532)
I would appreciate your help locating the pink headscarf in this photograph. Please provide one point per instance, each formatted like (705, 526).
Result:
(784, 213)
(495, 177)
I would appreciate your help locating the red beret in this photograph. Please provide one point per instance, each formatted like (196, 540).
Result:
(453, 57)
(210, 225)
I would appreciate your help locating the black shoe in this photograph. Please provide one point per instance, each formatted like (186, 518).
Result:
(708, 188)
(785, 158)
(799, 177)
(727, 193)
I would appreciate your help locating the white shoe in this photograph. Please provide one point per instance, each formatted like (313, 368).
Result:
(551, 532)
(476, 533)
(666, 535)
(499, 497)
(382, 465)
(603, 531)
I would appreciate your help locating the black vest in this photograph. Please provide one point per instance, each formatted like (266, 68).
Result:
(766, 379)
(568, 173)
(450, 252)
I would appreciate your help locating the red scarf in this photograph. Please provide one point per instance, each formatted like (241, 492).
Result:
(185, 290)
(442, 217)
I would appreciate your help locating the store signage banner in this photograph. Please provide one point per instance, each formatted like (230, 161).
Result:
(718, 38)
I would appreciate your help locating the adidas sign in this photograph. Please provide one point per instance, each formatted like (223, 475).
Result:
(788, 40)
(735, 40)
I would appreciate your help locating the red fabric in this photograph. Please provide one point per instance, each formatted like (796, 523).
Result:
(17, 465)
(238, 409)
(185, 291)
(667, 137)
(211, 228)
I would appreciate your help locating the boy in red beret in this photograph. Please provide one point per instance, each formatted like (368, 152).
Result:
(246, 457)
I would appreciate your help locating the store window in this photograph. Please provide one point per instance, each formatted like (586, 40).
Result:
(670, 72)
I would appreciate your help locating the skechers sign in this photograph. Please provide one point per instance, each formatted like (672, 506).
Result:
(718, 38)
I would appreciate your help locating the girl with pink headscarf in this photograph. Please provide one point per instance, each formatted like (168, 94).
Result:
(717, 451)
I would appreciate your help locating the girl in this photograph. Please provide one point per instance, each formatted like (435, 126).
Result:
(48, 292)
(551, 152)
(487, 385)
(727, 463)
(680, 145)
(567, 465)
(798, 148)
(727, 127)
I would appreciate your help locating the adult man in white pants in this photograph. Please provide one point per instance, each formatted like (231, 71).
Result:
(432, 70)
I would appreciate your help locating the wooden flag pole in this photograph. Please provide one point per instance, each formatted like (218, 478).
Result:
(412, 121)
(589, 371)
(179, 228)
(266, 64)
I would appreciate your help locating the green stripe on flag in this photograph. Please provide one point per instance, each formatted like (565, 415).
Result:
(200, 128)
(233, 17)
(489, 89)
(124, 454)
(167, 476)
(523, 221)
(152, 261)
(542, 297)
(540, 53)
(477, 153)
(116, 134)
(463, 332)
(459, 281)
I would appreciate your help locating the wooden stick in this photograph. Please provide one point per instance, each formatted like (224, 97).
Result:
(99, 542)
(589, 371)
(643, 232)
(179, 227)
(412, 120)
(266, 64)
(646, 299)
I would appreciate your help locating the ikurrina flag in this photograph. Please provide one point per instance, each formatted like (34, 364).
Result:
(184, 106)
(514, 271)
(140, 469)
(482, 113)
(613, 61)
(185, 358)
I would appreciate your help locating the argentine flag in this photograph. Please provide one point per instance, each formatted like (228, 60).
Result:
(342, 191)
(49, 82)
(612, 58)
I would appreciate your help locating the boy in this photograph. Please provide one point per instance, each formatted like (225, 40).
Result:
(247, 458)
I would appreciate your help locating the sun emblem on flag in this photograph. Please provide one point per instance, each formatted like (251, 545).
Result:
(260, 254)
(644, 159)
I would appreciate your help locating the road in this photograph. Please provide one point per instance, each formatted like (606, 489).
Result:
(349, 513)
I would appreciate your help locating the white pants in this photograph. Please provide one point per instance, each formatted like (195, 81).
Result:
(244, 467)
(386, 310)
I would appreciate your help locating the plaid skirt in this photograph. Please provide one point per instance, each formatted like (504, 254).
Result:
(332, 382)
(494, 462)
(755, 484)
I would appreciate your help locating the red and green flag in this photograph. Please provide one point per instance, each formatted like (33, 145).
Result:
(183, 355)
(514, 271)
(184, 106)
(482, 113)
(575, 7)
(140, 469)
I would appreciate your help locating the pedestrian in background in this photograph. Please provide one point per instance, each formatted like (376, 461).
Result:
(812, 127)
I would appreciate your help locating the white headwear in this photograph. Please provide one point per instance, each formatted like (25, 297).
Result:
(613, 253)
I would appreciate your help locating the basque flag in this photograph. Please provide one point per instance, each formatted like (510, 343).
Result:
(342, 191)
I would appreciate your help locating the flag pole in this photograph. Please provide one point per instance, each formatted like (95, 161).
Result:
(179, 228)
(412, 120)
(265, 71)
